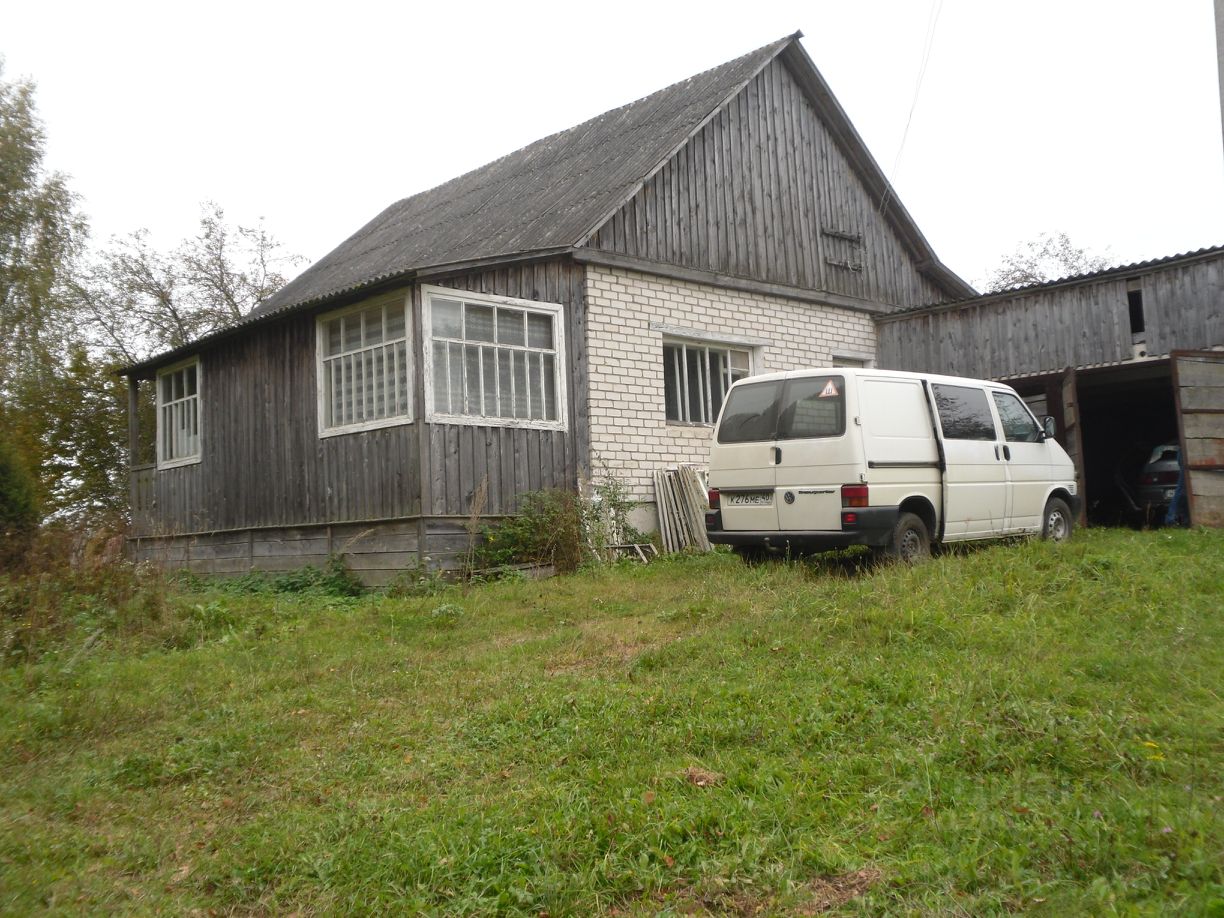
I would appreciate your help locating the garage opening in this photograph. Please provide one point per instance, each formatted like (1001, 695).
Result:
(1127, 426)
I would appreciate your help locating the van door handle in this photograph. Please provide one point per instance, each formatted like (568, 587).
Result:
(1007, 452)
(777, 455)
(996, 451)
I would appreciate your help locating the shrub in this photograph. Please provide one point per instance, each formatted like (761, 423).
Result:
(19, 511)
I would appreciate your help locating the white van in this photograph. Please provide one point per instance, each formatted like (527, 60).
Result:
(813, 460)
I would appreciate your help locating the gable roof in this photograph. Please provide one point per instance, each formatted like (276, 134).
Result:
(549, 194)
(552, 195)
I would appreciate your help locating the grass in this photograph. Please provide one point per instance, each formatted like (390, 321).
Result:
(1021, 727)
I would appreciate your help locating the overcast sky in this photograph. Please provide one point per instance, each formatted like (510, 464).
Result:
(1099, 118)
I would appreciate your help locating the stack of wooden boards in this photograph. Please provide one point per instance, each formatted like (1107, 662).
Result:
(680, 496)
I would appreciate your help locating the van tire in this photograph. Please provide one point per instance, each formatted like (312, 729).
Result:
(909, 540)
(1056, 520)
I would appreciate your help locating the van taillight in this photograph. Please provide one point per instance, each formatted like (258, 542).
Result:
(854, 495)
(713, 497)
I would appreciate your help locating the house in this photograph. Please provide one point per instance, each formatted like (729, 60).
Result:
(1126, 359)
(575, 308)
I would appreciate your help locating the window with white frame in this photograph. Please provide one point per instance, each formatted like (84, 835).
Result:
(363, 367)
(696, 378)
(178, 415)
(494, 360)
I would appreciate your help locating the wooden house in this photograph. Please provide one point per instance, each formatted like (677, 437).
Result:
(1125, 359)
(576, 308)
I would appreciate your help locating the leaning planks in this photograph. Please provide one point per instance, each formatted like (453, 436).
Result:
(681, 503)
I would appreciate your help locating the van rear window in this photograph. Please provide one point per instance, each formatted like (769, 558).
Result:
(751, 413)
(815, 407)
(811, 406)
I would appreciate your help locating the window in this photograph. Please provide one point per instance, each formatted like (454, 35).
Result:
(363, 367)
(1134, 306)
(810, 406)
(964, 413)
(815, 407)
(1018, 424)
(178, 415)
(696, 378)
(494, 360)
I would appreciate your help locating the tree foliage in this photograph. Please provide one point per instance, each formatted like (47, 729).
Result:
(138, 299)
(41, 235)
(19, 511)
(70, 318)
(1049, 257)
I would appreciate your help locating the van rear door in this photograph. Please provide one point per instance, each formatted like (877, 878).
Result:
(743, 466)
(815, 454)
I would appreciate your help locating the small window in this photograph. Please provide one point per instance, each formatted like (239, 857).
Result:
(494, 360)
(1134, 303)
(1018, 424)
(964, 413)
(178, 415)
(696, 378)
(363, 367)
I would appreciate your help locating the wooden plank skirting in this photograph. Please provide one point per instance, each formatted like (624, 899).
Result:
(376, 552)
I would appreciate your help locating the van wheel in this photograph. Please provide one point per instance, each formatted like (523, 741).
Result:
(1056, 521)
(909, 540)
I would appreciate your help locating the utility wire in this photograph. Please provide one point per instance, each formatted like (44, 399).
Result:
(932, 22)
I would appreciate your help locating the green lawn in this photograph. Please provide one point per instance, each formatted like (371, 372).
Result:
(1020, 727)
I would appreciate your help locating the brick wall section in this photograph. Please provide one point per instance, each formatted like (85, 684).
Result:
(630, 436)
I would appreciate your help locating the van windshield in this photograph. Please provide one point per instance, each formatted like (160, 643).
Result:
(811, 406)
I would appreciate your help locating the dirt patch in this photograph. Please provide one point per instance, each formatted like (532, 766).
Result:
(830, 892)
(702, 778)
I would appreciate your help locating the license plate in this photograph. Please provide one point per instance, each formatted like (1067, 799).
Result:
(750, 499)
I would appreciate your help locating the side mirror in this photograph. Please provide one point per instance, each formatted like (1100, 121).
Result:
(1048, 425)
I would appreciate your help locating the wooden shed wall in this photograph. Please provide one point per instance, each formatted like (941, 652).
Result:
(763, 191)
(1052, 328)
(262, 460)
(514, 460)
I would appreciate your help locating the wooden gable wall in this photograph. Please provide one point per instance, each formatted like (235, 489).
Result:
(764, 191)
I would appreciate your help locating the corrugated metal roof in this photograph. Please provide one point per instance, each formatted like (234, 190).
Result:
(1136, 267)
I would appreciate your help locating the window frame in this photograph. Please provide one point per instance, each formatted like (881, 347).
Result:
(321, 321)
(554, 310)
(198, 456)
(705, 344)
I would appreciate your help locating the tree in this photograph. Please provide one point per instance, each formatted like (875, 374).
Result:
(1049, 257)
(41, 235)
(19, 512)
(139, 300)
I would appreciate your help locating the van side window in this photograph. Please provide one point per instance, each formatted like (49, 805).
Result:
(964, 413)
(815, 407)
(1018, 424)
(751, 413)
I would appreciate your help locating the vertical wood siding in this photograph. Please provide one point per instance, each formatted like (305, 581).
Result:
(262, 461)
(514, 460)
(763, 191)
(1052, 328)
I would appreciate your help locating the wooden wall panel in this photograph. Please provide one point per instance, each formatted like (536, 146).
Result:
(1048, 329)
(763, 191)
(262, 461)
(513, 460)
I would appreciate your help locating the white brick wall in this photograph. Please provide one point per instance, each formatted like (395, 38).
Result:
(630, 436)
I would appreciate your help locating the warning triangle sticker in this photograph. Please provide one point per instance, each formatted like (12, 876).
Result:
(829, 391)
